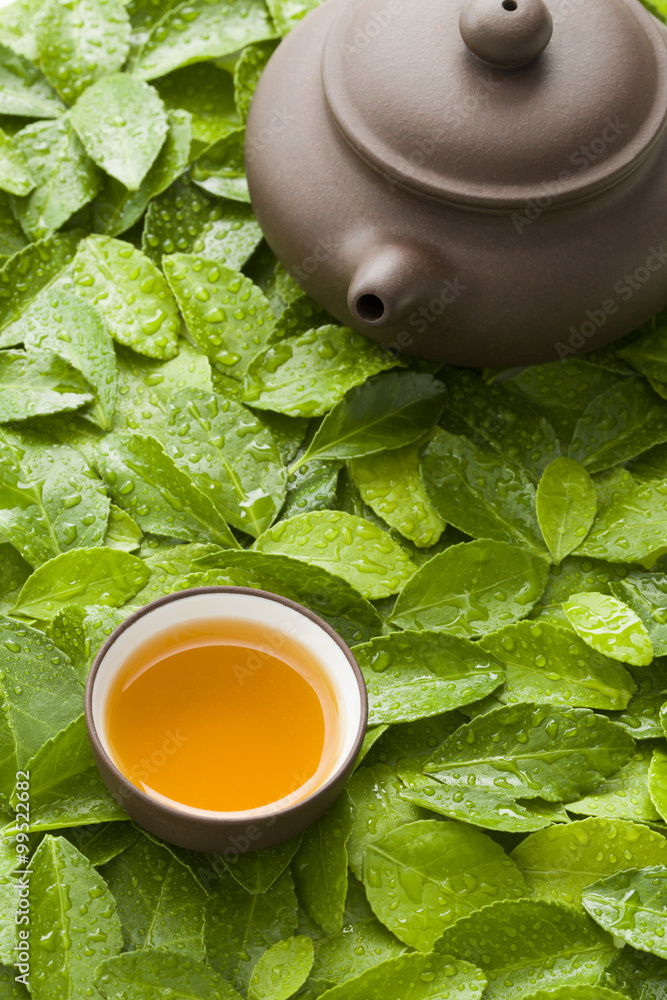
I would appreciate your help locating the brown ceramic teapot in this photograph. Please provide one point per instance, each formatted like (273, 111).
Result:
(479, 182)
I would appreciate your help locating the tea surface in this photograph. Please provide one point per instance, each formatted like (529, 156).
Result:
(219, 720)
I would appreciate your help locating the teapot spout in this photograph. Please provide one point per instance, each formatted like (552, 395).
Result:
(389, 283)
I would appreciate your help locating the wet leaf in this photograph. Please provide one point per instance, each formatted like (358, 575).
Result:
(610, 627)
(422, 877)
(161, 497)
(202, 29)
(527, 944)
(625, 795)
(647, 354)
(417, 977)
(140, 975)
(221, 169)
(38, 383)
(346, 546)
(64, 177)
(23, 89)
(257, 871)
(479, 493)
(85, 576)
(305, 376)
(619, 424)
(560, 861)
(392, 410)
(566, 506)
(73, 912)
(412, 675)
(34, 673)
(471, 589)
(15, 175)
(247, 71)
(642, 716)
(122, 124)
(630, 527)
(639, 976)
(320, 867)
(646, 595)
(26, 274)
(81, 631)
(552, 665)
(282, 969)
(130, 294)
(632, 905)
(79, 42)
(206, 92)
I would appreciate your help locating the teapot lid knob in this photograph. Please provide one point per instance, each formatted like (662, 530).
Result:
(506, 33)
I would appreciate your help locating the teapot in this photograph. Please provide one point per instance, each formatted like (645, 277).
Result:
(476, 182)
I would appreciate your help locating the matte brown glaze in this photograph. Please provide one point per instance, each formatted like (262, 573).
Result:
(228, 836)
(454, 208)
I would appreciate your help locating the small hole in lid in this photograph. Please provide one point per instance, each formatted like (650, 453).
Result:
(510, 5)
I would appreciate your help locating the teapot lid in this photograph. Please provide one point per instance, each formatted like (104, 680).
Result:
(491, 103)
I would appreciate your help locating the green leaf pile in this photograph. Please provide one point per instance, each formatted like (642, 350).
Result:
(175, 412)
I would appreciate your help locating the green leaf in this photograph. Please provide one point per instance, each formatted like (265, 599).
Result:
(630, 527)
(610, 627)
(305, 376)
(81, 41)
(231, 457)
(17, 26)
(472, 588)
(146, 387)
(80, 632)
(159, 902)
(414, 977)
(412, 675)
(10, 988)
(103, 841)
(130, 294)
(347, 546)
(206, 92)
(240, 926)
(527, 944)
(391, 484)
(377, 809)
(393, 410)
(122, 532)
(314, 486)
(576, 993)
(221, 169)
(14, 570)
(282, 969)
(657, 781)
(575, 575)
(639, 976)
(625, 795)
(202, 29)
(161, 497)
(422, 877)
(68, 326)
(34, 674)
(23, 89)
(50, 500)
(228, 317)
(26, 274)
(83, 576)
(562, 390)
(501, 420)
(646, 595)
(168, 562)
(551, 665)
(142, 975)
(619, 424)
(647, 354)
(15, 175)
(65, 786)
(329, 595)
(117, 208)
(286, 14)
(560, 861)
(320, 867)
(12, 237)
(122, 124)
(247, 71)
(187, 220)
(566, 504)
(642, 716)
(632, 905)
(65, 178)
(257, 871)
(479, 493)
(39, 383)
(531, 751)
(71, 905)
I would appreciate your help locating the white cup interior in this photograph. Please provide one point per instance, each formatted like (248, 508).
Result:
(281, 620)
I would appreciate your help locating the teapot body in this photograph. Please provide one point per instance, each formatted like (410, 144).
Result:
(459, 283)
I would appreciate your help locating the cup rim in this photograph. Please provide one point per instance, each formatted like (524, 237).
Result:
(219, 818)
